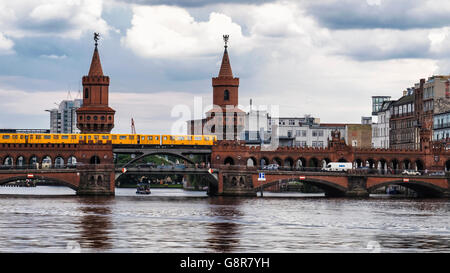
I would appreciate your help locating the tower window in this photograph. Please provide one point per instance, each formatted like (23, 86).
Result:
(86, 93)
(226, 95)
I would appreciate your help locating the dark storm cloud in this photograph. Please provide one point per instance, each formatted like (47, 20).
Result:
(389, 14)
(194, 3)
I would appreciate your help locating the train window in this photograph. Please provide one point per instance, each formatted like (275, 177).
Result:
(89, 137)
(165, 138)
(122, 137)
(5, 136)
(74, 137)
(14, 136)
(114, 137)
(131, 137)
(180, 138)
(64, 137)
(105, 137)
(189, 138)
(38, 137)
(21, 137)
(150, 138)
(47, 137)
(143, 138)
(172, 138)
(198, 138)
(81, 137)
(206, 138)
(156, 137)
(95, 137)
(31, 137)
(55, 137)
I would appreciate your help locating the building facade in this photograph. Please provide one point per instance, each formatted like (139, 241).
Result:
(380, 129)
(441, 126)
(403, 125)
(63, 120)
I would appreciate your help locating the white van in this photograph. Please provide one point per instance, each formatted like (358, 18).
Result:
(338, 167)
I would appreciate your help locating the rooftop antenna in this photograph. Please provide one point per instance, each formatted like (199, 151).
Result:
(133, 129)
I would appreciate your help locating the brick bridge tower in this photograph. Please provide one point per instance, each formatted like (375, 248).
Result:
(95, 116)
(225, 120)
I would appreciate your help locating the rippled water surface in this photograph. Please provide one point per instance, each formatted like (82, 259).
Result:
(52, 219)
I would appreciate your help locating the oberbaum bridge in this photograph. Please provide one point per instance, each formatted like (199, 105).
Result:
(234, 168)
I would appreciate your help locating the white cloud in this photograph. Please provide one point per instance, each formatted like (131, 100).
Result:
(171, 32)
(6, 45)
(63, 18)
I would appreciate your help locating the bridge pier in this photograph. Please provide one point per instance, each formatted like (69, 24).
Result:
(96, 180)
(236, 184)
(357, 186)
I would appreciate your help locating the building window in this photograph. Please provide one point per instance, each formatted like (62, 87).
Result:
(226, 95)
(86, 93)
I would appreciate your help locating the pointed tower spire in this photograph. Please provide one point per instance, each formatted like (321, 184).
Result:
(96, 65)
(225, 68)
(95, 115)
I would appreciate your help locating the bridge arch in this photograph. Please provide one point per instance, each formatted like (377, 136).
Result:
(277, 160)
(358, 162)
(33, 160)
(139, 157)
(395, 164)
(55, 181)
(71, 160)
(420, 166)
(406, 164)
(264, 161)
(331, 189)
(59, 162)
(8, 161)
(313, 162)
(251, 162)
(228, 161)
(371, 163)
(20, 161)
(288, 162)
(94, 160)
(300, 163)
(423, 189)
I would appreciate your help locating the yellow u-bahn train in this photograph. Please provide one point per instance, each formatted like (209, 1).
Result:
(114, 138)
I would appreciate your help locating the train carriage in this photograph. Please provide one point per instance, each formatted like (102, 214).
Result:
(104, 138)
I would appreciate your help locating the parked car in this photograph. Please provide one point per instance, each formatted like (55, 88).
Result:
(411, 172)
(271, 167)
(437, 173)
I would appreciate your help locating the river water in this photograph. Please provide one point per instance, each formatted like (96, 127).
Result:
(53, 219)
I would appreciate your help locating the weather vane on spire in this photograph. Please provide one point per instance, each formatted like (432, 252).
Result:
(96, 38)
(225, 39)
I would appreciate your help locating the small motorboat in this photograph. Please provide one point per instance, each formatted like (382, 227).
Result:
(143, 188)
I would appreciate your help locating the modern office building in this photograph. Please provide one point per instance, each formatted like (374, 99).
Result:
(63, 120)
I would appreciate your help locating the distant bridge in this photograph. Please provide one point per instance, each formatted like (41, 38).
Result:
(243, 181)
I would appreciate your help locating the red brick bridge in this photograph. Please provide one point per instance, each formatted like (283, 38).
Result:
(238, 165)
(86, 168)
(236, 181)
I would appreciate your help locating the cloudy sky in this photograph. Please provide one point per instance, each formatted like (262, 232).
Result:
(325, 58)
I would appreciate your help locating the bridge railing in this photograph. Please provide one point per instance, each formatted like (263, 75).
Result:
(53, 166)
(362, 171)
